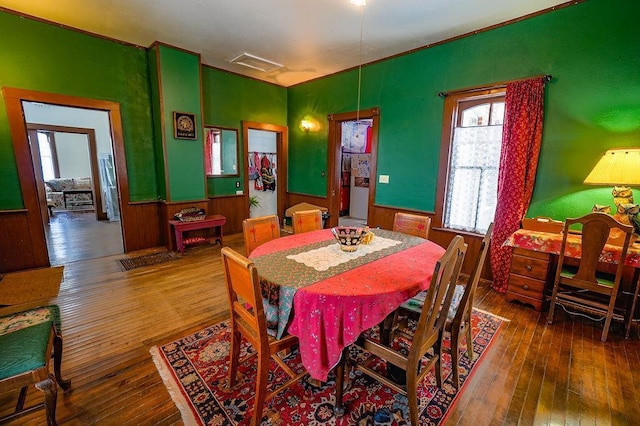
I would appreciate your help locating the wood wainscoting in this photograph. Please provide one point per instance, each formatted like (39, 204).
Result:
(234, 207)
(16, 247)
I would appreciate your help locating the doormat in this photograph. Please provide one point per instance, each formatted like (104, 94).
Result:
(31, 285)
(194, 370)
(147, 260)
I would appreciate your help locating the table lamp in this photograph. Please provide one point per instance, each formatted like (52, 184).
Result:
(618, 167)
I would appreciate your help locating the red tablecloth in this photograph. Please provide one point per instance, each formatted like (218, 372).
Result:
(551, 243)
(330, 313)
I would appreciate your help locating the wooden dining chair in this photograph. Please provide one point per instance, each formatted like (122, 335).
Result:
(412, 224)
(259, 230)
(307, 220)
(583, 288)
(28, 341)
(426, 337)
(458, 323)
(248, 320)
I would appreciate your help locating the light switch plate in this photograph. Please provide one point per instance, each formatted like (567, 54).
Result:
(383, 179)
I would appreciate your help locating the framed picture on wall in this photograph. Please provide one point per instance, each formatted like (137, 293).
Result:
(184, 125)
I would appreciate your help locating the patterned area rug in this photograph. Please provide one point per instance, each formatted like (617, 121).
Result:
(194, 369)
(147, 260)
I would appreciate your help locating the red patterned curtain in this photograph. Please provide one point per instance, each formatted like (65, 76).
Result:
(208, 148)
(521, 140)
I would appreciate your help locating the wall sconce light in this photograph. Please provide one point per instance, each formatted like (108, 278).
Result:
(306, 125)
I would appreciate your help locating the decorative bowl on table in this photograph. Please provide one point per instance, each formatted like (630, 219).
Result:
(349, 238)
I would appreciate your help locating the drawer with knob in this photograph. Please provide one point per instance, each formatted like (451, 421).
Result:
(528, 277)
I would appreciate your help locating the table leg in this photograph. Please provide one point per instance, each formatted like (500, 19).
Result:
(340, 370)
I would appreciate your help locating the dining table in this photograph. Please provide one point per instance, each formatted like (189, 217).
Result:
(327, 297)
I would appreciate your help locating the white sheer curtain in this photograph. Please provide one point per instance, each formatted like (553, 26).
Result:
(473, 177)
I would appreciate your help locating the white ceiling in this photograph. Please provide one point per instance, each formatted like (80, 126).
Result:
(311, 38)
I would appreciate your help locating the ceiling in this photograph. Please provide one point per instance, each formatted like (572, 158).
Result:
(310, 38)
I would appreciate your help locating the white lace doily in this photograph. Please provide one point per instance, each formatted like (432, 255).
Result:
(323, 258)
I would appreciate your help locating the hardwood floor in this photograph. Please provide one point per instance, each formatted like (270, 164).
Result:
(533, 373)
(77, 235)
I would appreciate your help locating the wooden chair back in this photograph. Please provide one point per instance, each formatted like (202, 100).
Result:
(245, 297)
(426, 336)
(412, 224)
(438, 298)
(259, 230)
(307, 220)
(596, 228)
(248, 320)
(579, 288)
(466, 303)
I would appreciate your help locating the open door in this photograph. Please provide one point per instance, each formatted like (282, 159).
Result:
(90, 136)
(37, 170)
(335, 155)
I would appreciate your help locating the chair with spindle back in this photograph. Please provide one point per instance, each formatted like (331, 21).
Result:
(427, 335)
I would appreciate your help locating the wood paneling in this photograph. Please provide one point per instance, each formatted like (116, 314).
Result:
(233, 207)
(142, 227)
(16, 250)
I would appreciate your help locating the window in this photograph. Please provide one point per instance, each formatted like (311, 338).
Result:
(221, 151)
(473, 153)
(47, 157)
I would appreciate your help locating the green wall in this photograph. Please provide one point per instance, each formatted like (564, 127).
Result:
(179, 73)
(47, 58)
(230, 99)
(593, 103)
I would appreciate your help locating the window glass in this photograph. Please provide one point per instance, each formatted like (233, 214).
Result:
(46, 158)
(470, 198)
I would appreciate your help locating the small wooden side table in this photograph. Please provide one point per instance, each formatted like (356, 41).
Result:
(214, 222)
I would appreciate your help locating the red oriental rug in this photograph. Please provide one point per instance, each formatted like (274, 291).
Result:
(194, 369)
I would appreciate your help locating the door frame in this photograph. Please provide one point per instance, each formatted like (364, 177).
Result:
(96, 187)
(282, 158)
(335, 154)
(13, 98)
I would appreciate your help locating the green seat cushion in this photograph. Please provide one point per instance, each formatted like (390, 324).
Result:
(24, 350)
(602, 278)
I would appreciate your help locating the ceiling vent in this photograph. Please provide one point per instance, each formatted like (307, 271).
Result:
(255, 62)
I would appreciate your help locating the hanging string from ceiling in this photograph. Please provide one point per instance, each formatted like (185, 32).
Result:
(360, 62)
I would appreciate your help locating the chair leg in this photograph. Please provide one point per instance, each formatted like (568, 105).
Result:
(234, 354)
(261, 386)
(412, 394)
(48, 387)
(607, 324)
(455, 356)
(470, 353)
(57, 363)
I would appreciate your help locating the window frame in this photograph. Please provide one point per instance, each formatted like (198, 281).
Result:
(450, 119)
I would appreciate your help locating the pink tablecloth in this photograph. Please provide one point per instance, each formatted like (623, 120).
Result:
(330, 314)
(551, 243)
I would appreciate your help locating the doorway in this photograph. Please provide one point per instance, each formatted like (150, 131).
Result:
(353, 147)
(265, 154)
(75, 181)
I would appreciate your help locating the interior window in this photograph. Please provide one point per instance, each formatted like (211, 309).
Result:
(473, 150)
(221, 151)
